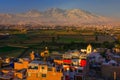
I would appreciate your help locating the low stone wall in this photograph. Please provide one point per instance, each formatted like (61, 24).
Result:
(108, 71)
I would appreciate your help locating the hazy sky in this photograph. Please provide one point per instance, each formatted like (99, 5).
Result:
(103, 7)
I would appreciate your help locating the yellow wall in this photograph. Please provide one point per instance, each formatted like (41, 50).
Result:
(33, 74)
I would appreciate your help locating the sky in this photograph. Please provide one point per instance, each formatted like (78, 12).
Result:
(110, 8)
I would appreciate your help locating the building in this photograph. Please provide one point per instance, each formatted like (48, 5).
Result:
(89, 49)
(22, 64)
(32, 55)
(39, 70)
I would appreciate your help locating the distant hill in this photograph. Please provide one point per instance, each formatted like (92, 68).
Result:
(53, 16)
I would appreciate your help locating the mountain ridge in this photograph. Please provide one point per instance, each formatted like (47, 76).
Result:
(53, 16)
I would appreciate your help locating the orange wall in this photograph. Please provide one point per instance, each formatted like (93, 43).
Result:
(19, 75)
(22, 65)
(33, 74)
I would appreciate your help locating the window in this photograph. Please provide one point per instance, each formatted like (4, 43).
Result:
(42, 67)
(78, 78)
(49, 69)
(75, 57)
(29, 74)
(80, 71)
(43, 75)
(33, 67)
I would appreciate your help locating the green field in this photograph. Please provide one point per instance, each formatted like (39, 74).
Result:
(10, 51)
(56, 40)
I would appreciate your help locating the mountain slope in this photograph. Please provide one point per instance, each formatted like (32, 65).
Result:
(53, 16)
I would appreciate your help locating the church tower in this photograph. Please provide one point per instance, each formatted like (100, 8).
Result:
(89, 49)
(32, 56)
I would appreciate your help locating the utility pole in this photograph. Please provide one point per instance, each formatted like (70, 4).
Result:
(115, 78)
